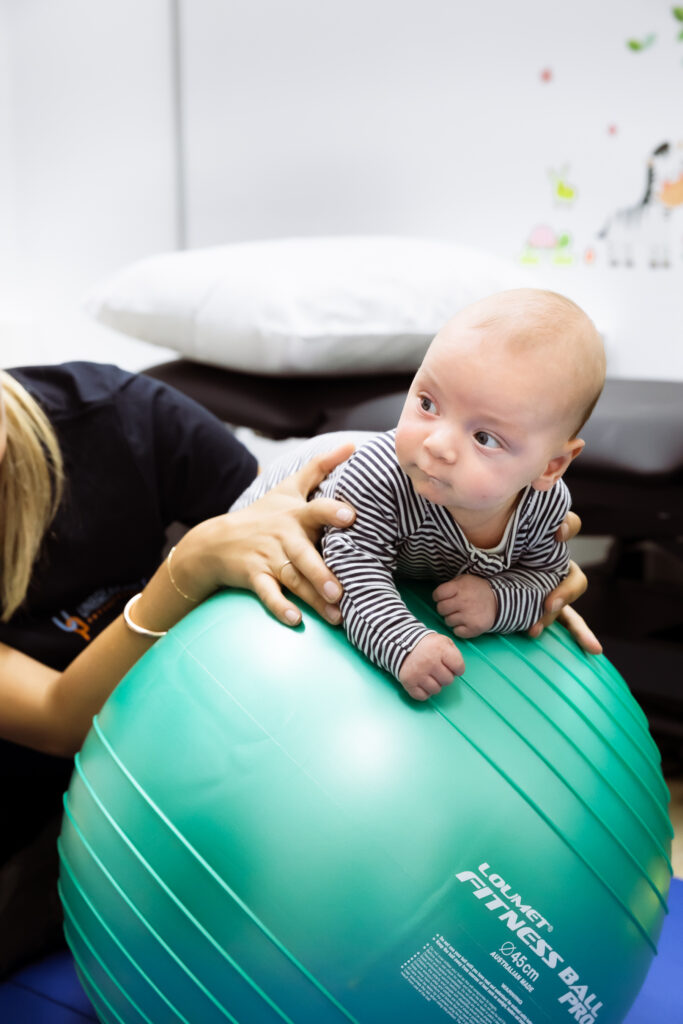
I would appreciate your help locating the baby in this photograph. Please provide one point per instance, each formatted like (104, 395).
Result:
(467, 488)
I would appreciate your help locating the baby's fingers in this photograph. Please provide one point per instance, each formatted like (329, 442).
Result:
(449, 606)
(455, 618)
(434, 681)
(445, 591)
(453, 662)
(466, 632)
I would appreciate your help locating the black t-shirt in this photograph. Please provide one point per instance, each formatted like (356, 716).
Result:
(138, 456)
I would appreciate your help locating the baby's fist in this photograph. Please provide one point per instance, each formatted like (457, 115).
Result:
(468, 604)
(430, 666)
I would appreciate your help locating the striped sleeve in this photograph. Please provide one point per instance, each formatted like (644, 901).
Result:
(363, 557)
(538, 568)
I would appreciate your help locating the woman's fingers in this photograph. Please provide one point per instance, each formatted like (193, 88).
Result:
(556, 606)
(274, 543)
(299, 584)
(309, 564)
(577, 626)
(566, 592)
(314, 472)
(325, 512)
(281, 544)
(579, 629)
(569, 527)
(306, 557)
(269, 594)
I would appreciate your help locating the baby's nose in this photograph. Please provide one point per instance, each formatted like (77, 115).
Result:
(441, 445)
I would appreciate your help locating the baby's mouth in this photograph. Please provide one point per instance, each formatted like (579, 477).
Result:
(428, 476)
(434, 481)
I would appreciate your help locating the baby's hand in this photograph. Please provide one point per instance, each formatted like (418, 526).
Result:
(468, 604)
(431, 665)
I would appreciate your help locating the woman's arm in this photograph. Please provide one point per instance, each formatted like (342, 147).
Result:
(52, 711)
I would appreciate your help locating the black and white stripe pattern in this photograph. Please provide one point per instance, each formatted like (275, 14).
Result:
(397, 531)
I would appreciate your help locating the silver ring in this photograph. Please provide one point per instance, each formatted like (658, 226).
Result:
(279, 574)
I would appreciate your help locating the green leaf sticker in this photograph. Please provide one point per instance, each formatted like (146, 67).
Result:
(641, 44)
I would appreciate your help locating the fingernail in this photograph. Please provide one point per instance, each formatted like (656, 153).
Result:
(556, 605)
(332, 613)
(331, 591)
(344, 515)
(292, 616)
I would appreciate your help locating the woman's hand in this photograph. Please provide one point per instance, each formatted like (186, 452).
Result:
(570, 589)
(271, 544)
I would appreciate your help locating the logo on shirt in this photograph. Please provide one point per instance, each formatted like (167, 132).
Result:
(93, 608)
(73, 624)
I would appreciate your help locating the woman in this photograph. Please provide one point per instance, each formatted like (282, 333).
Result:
(95, 465)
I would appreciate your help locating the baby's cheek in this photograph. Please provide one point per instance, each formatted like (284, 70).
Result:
(405, 446)
(488, 485)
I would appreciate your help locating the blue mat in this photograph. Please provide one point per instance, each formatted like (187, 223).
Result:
(660, 1000)
(49, 992)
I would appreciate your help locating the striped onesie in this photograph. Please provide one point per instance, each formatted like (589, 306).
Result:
(396, 531)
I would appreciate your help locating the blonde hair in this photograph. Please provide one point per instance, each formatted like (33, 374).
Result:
(31, 484)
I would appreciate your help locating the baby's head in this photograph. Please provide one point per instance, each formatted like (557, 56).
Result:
(499, 399)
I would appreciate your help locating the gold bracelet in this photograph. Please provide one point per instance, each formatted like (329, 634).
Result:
(134, 626)
(170, 576)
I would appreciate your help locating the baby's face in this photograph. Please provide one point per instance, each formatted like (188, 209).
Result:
(480, 423)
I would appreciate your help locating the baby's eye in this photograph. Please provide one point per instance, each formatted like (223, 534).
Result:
(486, 440)
(427, 405)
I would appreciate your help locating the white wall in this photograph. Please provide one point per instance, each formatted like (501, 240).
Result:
(6, 163)
(91, 145)
(433, 118)
(419, 117)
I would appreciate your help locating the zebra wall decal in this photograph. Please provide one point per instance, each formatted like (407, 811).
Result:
(641, 234)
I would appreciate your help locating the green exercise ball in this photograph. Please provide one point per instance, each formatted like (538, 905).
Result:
(262, 827)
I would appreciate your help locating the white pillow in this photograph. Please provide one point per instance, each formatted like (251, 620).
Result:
(303, 305)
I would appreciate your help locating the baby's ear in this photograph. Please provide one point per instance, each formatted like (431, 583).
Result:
(558, 464)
